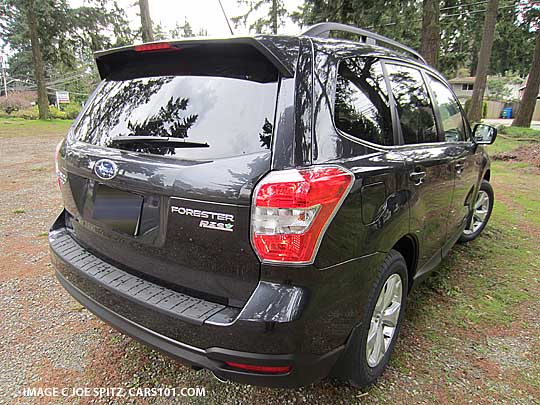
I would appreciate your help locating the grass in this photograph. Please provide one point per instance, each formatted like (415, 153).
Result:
(519, 132)
(21, 127)
(498, 266)
(19, 211)
(511, 138)
(483, 287)
(503, 144)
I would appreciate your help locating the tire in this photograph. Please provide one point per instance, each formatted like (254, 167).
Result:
(480, 214)
(362, 369)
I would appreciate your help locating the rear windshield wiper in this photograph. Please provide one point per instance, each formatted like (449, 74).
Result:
(155, 141)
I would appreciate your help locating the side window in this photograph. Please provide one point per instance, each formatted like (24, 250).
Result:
(362, 106)
(452, 120)
(414, 106)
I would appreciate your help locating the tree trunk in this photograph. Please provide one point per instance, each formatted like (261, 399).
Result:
(430, 32)
(528, 101)
(146, 21)
(484, 56)
(274, 16)
(37, 59)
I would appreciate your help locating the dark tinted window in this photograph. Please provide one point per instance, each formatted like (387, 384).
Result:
(414, 106)
(220, 95)
(362, 108)
(452, 120)
(232, 116)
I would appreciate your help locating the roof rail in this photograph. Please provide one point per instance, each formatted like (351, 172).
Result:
(368, 37)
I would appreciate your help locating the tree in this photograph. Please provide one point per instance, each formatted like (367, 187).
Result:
(430, 43)
(500, 86)
(184, 30)
(511, 39)
(528, 100)
(395, 19)
(37, 58)
(530, 19)
(146, 21)
(275, 19)
(51, 42)
(484, 56)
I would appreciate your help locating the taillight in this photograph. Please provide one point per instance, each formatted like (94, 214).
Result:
(160, 46)
(260, 369)
(292, 209)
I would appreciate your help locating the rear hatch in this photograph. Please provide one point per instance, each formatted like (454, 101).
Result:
(162, 162)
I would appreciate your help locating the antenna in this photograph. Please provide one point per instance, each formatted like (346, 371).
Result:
(226, 18)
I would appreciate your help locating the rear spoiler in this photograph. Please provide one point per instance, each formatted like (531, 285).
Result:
(107, 59)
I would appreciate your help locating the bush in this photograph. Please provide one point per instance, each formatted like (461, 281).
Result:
(65, 112)
(56, 113)
(468, 105)
(31, 113)
(72, 110)
(14, 102)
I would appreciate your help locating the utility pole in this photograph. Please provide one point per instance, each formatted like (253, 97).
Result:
(4, 74)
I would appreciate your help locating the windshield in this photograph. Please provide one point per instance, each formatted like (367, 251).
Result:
(233, 116)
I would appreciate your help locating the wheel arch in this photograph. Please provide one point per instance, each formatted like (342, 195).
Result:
(407, 246)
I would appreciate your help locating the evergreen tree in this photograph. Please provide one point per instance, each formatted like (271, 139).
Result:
(275, 19)
(484, 57)
(530, 13)
(146, 22)
(45, 35)
(430, 32)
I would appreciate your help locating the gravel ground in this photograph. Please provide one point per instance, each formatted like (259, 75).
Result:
(48, 340)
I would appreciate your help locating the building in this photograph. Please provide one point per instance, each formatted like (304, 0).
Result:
(463, 87)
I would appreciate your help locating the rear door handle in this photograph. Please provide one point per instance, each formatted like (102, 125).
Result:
(417, 177)
(459, 168)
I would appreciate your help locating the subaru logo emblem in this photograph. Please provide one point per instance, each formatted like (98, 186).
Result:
(105, 169)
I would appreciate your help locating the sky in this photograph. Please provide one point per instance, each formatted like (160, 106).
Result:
(200, 13)
(205, 14)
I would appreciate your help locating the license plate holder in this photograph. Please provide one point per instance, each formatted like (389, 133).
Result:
(117, 209)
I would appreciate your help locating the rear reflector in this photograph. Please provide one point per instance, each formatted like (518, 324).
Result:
(292, 209)
(260, 369)
(154, 47)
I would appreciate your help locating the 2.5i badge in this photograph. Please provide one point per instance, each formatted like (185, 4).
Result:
(209, 219)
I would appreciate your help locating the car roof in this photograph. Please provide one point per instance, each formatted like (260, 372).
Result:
(283, 50)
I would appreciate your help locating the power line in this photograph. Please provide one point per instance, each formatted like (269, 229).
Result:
(449, 15)
(463, 5)
(458, 6)
(474, 12)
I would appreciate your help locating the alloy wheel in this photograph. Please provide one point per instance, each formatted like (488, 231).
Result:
(480, 211)
(384, 320)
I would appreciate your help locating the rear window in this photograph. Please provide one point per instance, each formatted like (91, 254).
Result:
(226, 105)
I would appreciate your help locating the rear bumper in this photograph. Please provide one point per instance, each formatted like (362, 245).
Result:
(305, 368)
(202, 333)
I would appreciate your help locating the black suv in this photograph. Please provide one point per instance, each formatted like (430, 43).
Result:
(262, 206)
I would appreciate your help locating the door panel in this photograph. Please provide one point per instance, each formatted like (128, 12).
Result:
(431, 197)
(429, 163)
(465, 163)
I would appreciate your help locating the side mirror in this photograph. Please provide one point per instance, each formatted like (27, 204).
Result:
(484, 134)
